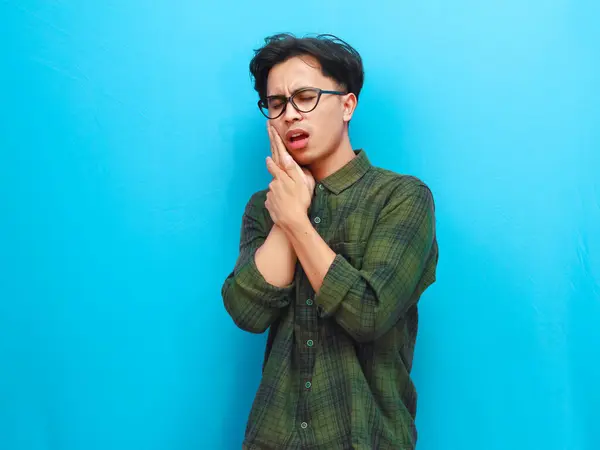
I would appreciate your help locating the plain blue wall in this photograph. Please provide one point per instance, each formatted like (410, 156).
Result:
(130, 142)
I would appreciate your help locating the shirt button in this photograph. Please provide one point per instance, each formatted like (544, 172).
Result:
(304, 425)
(317, 219)
(309, 302)
(321, 187)
(308, 385)
(310, 342)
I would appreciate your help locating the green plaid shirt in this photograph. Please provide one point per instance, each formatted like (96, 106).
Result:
(337, 363)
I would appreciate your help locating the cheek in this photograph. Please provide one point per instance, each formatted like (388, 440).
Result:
(330, 127)
(279, 127)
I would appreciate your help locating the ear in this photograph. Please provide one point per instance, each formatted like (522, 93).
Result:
(349, 104)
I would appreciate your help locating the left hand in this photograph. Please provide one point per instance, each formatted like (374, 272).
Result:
(288, 198)
(278, 152)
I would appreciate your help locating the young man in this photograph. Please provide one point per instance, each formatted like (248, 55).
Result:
(334, 256)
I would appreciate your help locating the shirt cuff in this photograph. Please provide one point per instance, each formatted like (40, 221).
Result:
(253, 282)
(338, 280)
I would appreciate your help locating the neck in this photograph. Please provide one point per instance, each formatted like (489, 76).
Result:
(334, 161)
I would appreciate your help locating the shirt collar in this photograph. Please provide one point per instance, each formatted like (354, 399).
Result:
(349, 174)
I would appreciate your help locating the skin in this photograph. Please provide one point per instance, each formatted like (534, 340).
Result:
(295, 171)
(329, 145)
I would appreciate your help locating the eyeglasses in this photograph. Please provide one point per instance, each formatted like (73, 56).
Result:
(304, 100)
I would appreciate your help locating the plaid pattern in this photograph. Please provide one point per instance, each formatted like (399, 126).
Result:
(337, 363)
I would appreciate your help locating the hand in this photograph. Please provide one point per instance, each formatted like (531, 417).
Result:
(288, 198)
(278, 152)
(309, 181)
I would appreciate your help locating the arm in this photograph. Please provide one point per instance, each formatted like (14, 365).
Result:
(368, 302)
(276, 259)
(262, 280)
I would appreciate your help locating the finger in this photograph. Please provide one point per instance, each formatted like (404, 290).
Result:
(308, 177)
(271, 143)
(293, 169)
(280, 146)
(274, 168)
(274, 146)
(274, 151)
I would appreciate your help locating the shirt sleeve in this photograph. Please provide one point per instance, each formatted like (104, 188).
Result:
(252, 302)
(398, 265)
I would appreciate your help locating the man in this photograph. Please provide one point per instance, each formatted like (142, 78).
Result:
(334, 256)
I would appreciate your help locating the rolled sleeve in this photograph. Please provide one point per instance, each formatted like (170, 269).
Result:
(251, 301)
(398, 265)
(339, 279)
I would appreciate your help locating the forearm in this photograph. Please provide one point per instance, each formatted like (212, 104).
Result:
(250, 299)
(314, 254)
(398, 264)
(276, 258)
(257, 290)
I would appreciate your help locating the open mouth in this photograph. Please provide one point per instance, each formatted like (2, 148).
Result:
(298, 136)
(298, 140)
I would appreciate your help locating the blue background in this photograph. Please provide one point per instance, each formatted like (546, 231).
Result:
(130, 142)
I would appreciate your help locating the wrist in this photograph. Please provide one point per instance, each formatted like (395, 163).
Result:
(280, 231)
(298, 227)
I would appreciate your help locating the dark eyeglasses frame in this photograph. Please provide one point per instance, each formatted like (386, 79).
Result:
(262, 103)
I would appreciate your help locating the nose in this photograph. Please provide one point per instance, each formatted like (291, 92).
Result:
(291, 114)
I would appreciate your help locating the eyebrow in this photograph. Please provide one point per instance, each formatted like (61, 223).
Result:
(293, 92)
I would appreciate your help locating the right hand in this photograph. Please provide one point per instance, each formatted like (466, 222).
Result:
(278, 151)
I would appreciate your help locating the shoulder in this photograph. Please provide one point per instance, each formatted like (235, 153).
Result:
(399, 187)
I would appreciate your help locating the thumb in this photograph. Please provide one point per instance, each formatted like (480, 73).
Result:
(288, 161)
(292, 168)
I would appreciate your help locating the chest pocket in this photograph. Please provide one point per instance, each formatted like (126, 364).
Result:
(353, 252)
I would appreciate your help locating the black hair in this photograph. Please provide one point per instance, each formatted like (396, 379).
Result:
(338, 60)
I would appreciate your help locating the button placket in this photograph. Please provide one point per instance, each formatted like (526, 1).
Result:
(310, 313)
(317, 204)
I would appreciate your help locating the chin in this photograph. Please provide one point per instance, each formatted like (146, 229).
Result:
(310, 156)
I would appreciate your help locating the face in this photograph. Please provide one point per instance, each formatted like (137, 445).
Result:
(325, 128)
